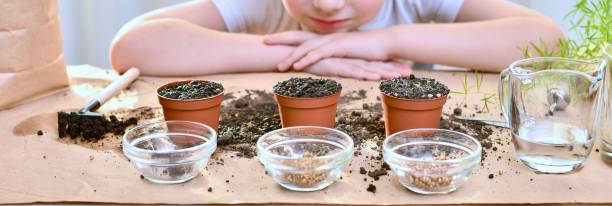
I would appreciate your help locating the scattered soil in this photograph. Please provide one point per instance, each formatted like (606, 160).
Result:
(371, 188)
(457, 111)
(352, 96)
(245, 119)
(413, 88)
(362, 171)
(90, 128)
(362, 125)
(377, 173)
(476, 129)
(196, 89)
(307, 87)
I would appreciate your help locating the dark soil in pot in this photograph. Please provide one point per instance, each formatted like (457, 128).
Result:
(192, 90)
(307, 87)
(413, 88)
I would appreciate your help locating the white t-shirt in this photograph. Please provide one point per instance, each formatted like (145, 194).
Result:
(269, 16)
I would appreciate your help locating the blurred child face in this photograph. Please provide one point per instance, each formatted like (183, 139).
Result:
(329, 16)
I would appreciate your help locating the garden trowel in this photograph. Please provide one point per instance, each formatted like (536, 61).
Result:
(66, 120)
(110, 91)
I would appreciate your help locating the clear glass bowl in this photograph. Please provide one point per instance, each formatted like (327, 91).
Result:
(170, 151)
(431, 161)
(305, 158)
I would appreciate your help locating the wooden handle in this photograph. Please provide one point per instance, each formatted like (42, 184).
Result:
(118, 85)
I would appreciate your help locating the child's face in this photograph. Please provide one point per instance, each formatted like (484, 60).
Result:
(329, 16)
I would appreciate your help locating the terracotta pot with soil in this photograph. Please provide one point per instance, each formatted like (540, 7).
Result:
(307, 101)
(192, 100)
(410, 103)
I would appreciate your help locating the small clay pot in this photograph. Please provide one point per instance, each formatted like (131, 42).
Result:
(320, 111)
(403, 114)
(205, 110)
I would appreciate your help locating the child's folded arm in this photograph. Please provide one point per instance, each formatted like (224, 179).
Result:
(174, 47)
(484, 45)
(488, 35)
(190, 39)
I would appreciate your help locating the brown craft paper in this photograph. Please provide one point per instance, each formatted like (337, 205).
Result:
(23, 14)
(46, 169)
(31, 61)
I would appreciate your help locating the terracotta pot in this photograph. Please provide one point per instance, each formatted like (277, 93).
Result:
(403, 114)
(205, 111)
(319, 111)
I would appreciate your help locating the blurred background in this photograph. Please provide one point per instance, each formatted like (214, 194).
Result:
(88, 26)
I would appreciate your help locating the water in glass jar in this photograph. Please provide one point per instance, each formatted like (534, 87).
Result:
(552, 147)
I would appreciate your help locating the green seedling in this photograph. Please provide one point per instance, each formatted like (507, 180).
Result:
(486, 100)
(592, 23)
(478, 76)
(466, 88)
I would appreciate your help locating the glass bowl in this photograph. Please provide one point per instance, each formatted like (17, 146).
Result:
(431, 161)
(305, 158)
(169, 151)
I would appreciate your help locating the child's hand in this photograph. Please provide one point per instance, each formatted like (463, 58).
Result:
(371, 45)
(358, 69)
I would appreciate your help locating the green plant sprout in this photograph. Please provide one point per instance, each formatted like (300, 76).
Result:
(478, 76)
(486, 100)
(594, 31)
(466, 90)
(466, 87)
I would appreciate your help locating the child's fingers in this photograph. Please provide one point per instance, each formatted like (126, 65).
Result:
(322, 52)
(349, 68)
(399, 65)
(310, 58)
(330, 73)
(300, 52)
(344, 70)
(288, 38)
